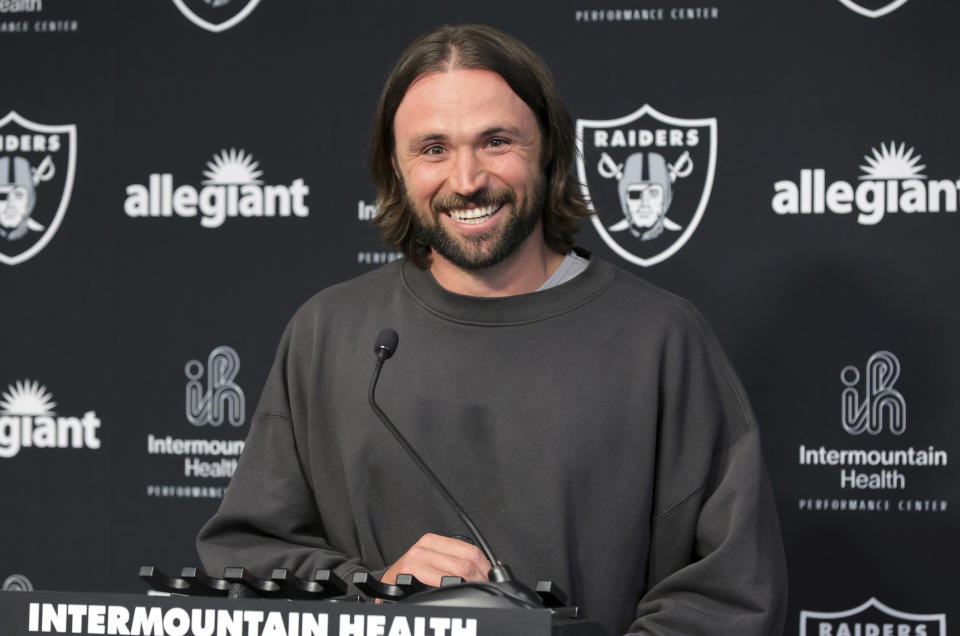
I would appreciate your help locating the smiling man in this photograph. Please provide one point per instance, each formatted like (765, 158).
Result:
(625, 469)
(469, 153)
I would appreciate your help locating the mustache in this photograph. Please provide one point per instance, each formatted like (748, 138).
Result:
(480, 198)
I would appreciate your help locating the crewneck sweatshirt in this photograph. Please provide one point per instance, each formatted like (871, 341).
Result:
(594, 431)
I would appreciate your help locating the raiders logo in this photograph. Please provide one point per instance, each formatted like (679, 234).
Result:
(872, 617)
(648, 177)
(216, 15)
(37, 165)
(873, 8)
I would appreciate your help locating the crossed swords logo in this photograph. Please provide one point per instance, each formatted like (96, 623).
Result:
(610, 169)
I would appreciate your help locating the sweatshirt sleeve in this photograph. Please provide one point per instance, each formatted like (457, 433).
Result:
(268, 517)
(716, 563)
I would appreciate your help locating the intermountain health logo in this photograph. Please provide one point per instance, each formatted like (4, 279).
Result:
(28, 419)
(216, 15)
(892, 183)
(648, 177)
(880, 406)
(872, 618)
(37, 166)
(17, 583)
(232, 189)
(873, 476)
(873, 8)
(212, 398)
(366, 211)
(222, 399)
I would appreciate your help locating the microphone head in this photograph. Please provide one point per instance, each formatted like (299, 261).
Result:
(387, 341)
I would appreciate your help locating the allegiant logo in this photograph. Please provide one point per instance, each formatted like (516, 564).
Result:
(28, 419)
(892, 182)
(232, 189)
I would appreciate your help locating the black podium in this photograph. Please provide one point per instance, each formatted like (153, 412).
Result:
(26, 613)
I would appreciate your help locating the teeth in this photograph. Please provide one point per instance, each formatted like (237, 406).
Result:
(473, 215)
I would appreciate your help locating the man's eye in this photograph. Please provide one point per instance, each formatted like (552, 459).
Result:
(498, 141)
(434, 150)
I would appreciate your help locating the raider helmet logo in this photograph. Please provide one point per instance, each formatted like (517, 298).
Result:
(873, 8)
(662, 171)
(216, 15)
(37, 165)
(872, 617)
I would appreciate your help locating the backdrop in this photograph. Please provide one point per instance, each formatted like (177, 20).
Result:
(177, 176)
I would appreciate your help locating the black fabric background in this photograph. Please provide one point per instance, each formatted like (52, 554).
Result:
(109, 312)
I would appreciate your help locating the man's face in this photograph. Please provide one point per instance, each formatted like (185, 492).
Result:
(645, 201)
(13, 205)
(468, 151)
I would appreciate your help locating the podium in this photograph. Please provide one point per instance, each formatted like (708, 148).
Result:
(28, 613)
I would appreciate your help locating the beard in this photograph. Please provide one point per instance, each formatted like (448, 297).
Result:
(478, 251)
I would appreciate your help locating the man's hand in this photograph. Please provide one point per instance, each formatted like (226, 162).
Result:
(434, 556)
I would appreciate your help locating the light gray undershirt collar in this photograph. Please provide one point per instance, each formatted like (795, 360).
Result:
(572, 265)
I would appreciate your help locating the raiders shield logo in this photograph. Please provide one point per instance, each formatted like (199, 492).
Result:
(648, 177)
(873, 8)
(37, 164)
(216, 15)
(871, 618)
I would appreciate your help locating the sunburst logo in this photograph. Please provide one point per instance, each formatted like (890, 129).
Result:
(27, 398)
(232, 167)
(891, 162)
(893, 182)
(28, 419)
(232, 188)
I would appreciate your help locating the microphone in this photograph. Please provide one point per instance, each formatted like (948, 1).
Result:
(386, 344)
(502, 590)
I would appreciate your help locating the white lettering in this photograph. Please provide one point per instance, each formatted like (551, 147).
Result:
(147, 622)
(229, 623)
(44, 431)
(96, 615)
(439, 625)
(313, 625)
(54, 618)
(873, 199)
(117, 619)
(215, 202)
(351, 625)
(645, 138)
(376, 625)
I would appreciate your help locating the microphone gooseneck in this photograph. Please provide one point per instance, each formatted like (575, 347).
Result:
(385, 347)
(502, 590)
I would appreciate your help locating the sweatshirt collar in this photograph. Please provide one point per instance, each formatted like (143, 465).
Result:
(507, 310)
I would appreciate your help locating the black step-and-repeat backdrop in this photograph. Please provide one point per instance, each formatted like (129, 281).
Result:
(176, 177)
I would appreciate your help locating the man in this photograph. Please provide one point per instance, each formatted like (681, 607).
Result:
(626, 470)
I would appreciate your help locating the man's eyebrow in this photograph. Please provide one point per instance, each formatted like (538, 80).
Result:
(427, 139)
(496, 130)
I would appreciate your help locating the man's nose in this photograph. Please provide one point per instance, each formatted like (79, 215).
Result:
(469, 173)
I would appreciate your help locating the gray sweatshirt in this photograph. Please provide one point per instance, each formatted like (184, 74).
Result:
(595, 432)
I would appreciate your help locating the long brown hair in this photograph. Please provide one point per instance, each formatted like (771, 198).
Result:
(478, 46)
